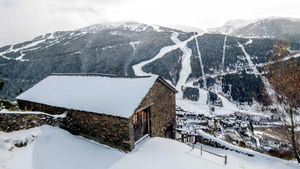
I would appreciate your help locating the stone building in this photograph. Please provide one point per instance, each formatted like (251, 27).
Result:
(111, 110)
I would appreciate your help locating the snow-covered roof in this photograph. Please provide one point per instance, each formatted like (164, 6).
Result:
(99, 94)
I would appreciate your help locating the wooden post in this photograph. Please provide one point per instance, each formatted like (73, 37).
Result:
(201, 151)
(225, 159)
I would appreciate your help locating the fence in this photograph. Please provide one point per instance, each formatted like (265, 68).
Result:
(202, 149)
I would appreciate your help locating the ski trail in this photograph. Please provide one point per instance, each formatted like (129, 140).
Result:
(186, 69)
(248, 58)
(223, 56)
(20, 58)
(6, 51)
(137, 68)
(200, 61)
(133, 45)
(269, 89)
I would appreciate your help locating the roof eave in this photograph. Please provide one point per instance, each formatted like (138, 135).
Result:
(167, 84)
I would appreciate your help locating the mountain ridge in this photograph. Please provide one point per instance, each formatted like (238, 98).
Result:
(282, 28)
(219, 63)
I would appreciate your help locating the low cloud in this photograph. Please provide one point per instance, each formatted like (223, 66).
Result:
(24, 19)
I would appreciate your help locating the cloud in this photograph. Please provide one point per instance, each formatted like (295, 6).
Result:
(24, 19)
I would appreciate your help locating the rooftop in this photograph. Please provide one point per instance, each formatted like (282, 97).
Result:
(117, 96)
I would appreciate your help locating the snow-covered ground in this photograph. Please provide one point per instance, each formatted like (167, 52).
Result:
(54, 148)
(201, 106)
(4, 111)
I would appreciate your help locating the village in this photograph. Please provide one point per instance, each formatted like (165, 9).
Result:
(253, 131)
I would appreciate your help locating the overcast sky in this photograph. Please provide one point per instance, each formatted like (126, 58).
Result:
(24, 19)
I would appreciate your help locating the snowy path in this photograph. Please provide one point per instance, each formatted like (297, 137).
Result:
(137, 68)
(186, 69)
(294, 55)
(248, 58)
(133, 45)
(269, 89)
(223, 55)
(201, 63)
(22, 49)
(20, 58)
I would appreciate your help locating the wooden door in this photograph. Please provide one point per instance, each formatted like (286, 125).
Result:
(140, 124)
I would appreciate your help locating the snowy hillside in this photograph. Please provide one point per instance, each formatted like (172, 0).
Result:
(272, 27)
(230, 26)
(230, 67)
(53, 148)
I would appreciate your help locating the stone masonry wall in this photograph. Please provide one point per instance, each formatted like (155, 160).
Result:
(109, 130)
(30, 106)
(163, 113)
(105, 129)
(18, 121)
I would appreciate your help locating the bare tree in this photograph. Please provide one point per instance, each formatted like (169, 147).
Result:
(284, 76)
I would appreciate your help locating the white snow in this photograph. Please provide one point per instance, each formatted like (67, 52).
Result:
(250, 63)
(223, 55)
(138, 67)
(201, 64)
(201, 106)
(230, 26)
(186, 28)
(138, 71)
(4, 111)
(249, 42)
(21, 50)
(123, 25)
(133, 45)
(21, 57)
(292, 56)
(54, 148)
(99, 94)
(267, 85)
(186, 69)
(185, 61)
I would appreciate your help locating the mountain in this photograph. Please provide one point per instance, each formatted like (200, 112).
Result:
(231, 67)
(230, 26)
(186, 28)
(273, 27)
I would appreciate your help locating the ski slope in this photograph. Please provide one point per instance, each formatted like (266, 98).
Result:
(224, 55)
(137, 68)
(248, 58)
(185, 61)
(201, 64)
(269, 89)
(201, 106)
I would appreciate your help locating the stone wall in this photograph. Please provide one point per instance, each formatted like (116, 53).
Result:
(110, 130)
(18, 121)
(161, 100)
(31, 106)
